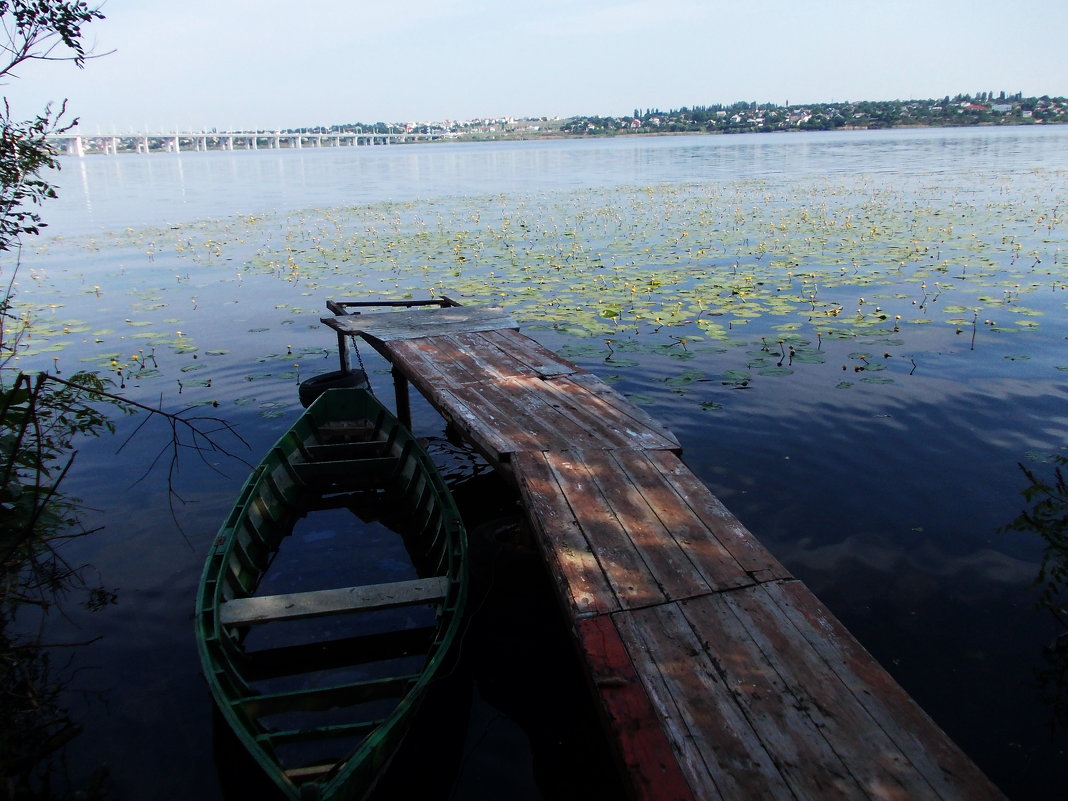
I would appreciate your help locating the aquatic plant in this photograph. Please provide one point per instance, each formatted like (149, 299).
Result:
(1047, 516)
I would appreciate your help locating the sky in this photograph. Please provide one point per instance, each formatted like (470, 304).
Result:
(270, 64)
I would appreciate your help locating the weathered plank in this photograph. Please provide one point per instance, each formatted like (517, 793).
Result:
(789, 702)
(506, 415)
(293, 606)
(425, 322)
(587, 403)
(622, 509)
(576, 571)
(532, 354)
(722, 666)
(719, 752)
(606, 491)
(631, 581)
(932, 754)
(753, 557)
(456, 359)
(631, 417)
(548, 423)
(651, 768)
(726, 554)
(468, 420)
(355, 472)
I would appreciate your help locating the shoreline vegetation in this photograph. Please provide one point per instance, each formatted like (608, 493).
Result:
(982, 109)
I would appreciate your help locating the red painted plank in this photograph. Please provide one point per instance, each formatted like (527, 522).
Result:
(648, 761)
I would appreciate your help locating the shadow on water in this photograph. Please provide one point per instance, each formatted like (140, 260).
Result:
(516, 683)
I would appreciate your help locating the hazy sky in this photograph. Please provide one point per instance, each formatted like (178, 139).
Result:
(239, 64)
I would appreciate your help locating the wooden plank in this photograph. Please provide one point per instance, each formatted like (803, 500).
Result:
(334, 654)
(819, 707)
(348, 451)
(362, 472)
(588, 403)
(269, 608)
(534, 416)
(950, 773)
(469, 417)
(426, 322)
(516, 421)
(319, 699)
(530, 353)
(650, 766)
(668, 565)
(577, 573)
(348, 430)
(559, 423)
(777, 720)
(680, 502)
(309, 772)
(723, 757)
(515, 417)
(753, 557)
(507, 400)
(521, 354)
(458, 359)
(629, 415)
(633, 583)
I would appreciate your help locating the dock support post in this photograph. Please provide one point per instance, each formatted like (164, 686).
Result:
(404, 407)
(343, 352)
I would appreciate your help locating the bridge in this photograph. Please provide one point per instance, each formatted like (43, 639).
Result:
(82, 144)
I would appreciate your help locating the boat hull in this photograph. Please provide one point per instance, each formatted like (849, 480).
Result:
(320, 681)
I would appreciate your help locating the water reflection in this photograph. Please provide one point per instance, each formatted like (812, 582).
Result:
(1047, 517)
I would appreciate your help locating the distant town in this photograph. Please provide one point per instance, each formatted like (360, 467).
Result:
(984, 108)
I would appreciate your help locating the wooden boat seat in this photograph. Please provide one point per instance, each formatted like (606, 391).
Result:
(297, 605)
(339, 451)
(358, 472)
(348, 430)
(310, 772)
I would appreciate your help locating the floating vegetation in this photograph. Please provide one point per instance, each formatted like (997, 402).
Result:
(741, 280)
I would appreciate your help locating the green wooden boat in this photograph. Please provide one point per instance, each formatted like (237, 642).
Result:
(331, 596)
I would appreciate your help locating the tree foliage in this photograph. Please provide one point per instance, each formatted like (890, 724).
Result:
(25, 153)
(33, 30)
(38, 419)
(44, 30)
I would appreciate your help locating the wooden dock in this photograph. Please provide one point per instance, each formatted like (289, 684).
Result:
(719, 675)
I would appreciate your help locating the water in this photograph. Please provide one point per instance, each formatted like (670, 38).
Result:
(857, 336)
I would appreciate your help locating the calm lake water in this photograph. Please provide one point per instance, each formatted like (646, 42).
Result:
(858, 338)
